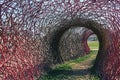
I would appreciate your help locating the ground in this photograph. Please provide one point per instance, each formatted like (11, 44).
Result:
(78, 69)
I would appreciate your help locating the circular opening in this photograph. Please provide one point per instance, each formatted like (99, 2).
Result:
(97, 29)
(66, 25)
(93, 42)
(71, 44)
(77, 40)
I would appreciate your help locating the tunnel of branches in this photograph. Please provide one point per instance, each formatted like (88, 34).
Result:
(66, 47)
(73, 43)
(32, 32)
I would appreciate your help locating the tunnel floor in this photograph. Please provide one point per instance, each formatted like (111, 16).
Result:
(74, 69)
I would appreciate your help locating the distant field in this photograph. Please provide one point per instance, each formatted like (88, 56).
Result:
(94, 45)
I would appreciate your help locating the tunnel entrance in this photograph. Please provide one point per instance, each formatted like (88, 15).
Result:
(96, 28)
(57, 35)
(93, 42)
(76, 42)
(84, 41)
(73, 43)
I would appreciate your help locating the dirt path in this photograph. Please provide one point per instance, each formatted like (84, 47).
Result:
(85, 64)
(77, 71)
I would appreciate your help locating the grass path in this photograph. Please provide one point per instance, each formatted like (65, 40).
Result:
(77, 69)
(85, 64)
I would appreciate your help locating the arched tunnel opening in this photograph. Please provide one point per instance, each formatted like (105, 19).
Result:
(55, 42)
(31, 32)
(94, 27)
(93, 42)
(77, 42)
(78, 48)
(73, 43)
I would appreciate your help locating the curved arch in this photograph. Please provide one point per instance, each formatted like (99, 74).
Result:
(73, 43)
(84, 40)
(100, 31)
(37, 15)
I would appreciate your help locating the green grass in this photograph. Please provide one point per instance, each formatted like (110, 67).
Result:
(67, 77)
(68, 66)
(93, 44)
(50, 77)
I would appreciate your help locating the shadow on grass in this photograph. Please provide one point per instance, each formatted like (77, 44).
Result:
(76, 72)
(82, 74)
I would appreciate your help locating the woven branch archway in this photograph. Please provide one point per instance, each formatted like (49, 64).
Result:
(26, 28)
(73, 43)
(95, 27)
(56, 38)
(86, 34)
